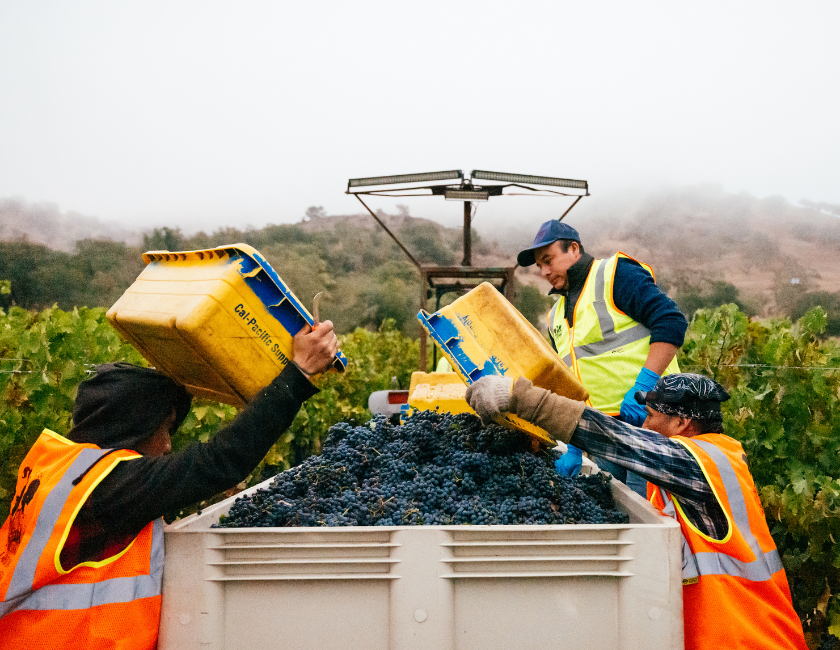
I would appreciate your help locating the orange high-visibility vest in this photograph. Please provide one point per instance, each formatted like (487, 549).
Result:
(735, 592)
(113, 603)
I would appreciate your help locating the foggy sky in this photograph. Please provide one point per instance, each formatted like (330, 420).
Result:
(208, 114)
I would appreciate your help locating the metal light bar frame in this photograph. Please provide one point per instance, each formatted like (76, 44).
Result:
(459, 188)
(517, 179)
(466, 195)
(402, 179)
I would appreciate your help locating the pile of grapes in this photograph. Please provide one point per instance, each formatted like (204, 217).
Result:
(436, 469)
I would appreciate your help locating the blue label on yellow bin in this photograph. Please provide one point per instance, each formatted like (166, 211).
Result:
(277, 298)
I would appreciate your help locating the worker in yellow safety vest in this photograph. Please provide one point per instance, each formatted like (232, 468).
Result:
(735, 592)
(81, 553)
(612, 326)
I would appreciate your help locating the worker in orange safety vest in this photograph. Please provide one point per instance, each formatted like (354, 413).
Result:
(735, 592)
(81, 553)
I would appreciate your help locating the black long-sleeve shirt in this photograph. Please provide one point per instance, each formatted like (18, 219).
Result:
(139, 491)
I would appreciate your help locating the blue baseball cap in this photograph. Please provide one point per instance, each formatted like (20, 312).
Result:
(548, 233)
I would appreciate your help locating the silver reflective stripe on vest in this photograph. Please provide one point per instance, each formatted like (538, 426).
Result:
(24, 575)
(604, 319)
(723, 564)
(616, 340)
(765, 564)
(115, 590)
(689, 559)
(711, 563)
(610, 339)
(20, 595)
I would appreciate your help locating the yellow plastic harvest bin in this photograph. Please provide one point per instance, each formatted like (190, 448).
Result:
(219, 321)
(443, 391)
(482, 334)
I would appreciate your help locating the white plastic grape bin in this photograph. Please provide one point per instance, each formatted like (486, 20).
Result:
(424, 587)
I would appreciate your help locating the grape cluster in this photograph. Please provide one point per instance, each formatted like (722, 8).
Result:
(829, 642)
(435, 469)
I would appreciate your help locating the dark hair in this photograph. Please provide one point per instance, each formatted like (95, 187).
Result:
(565, 243)
(708, 425)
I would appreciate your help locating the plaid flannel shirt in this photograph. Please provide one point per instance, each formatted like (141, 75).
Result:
(664, 462)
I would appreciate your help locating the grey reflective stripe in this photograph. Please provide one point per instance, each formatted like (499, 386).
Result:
(734, 494)
(711, 563)
(568, 360)
(611, 340)
(689, 560)
(616, 340)
(24, 575)
(114, 590)
(605, 321)
(106, 592)
(722, 564)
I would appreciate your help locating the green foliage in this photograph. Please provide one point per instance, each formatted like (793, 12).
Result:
(690, 298)
(532, 304)
(43, 357)
(425, 241)
(785, 410)
(825, 299)
(165, 239)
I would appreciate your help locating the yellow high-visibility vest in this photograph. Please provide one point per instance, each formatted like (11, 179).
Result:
(605, 348)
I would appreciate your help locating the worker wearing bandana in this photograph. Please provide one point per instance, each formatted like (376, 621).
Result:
(735, 591)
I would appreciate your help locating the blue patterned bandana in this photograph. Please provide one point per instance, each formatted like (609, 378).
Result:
(687, 395)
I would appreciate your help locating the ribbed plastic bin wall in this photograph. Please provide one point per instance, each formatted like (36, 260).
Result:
(596, 587)
(220, 321)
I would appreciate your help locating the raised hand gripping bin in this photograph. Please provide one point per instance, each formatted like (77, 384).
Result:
(219, 321)
(482, 334)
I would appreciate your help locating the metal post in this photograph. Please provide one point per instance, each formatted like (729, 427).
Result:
(422, 367)
(467, 261)
(509, 288)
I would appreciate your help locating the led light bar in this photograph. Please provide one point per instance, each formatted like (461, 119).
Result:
(466, 195)
(405, 178)
(522, 178)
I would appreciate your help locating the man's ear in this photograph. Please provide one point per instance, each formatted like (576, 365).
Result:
(684, 426)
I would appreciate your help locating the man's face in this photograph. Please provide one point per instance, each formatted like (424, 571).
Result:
(160, 442)
(554, 263)
(667, 425)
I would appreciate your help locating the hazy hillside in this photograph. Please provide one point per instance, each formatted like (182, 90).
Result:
(44, 223)
(706, 246)
(696, 237)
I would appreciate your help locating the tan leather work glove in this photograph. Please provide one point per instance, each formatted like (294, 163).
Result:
(489, 396)
(559, 416)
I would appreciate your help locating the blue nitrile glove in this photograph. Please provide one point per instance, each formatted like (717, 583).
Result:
(569, 463)
(631, 411)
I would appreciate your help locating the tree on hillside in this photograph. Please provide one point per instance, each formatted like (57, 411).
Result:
(164, 239)
(533, 304)
(830, 302)
(39, 276)
(425, 242)
(690, 298)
